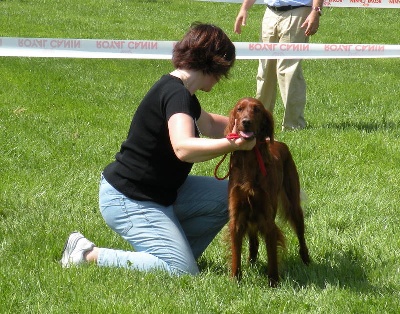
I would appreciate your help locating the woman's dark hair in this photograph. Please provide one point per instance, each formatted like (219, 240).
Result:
(206, 48)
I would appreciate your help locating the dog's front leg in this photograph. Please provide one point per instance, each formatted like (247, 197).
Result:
(271, 241)
(236, 236)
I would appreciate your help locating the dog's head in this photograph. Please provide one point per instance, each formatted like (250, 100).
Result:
(252, 120)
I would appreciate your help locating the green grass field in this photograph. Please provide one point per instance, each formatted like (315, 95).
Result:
(62, 121)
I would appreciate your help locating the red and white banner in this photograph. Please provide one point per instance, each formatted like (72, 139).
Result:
(314, 51)
(383, 4)
(388, 4)
(150, 49)
(85, 48)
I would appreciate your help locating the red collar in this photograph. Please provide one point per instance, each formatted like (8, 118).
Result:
(260, 161)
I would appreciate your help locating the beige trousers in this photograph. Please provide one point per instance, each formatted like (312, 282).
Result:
(284, 27)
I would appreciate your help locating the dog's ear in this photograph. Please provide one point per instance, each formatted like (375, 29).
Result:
(231, 122)
(267, 127)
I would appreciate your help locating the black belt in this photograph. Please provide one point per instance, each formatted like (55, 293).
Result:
(284, 8)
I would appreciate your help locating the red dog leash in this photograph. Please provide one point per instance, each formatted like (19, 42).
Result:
(260, 161)
(230, 136)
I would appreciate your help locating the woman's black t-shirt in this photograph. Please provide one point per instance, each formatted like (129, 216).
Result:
(146, 167)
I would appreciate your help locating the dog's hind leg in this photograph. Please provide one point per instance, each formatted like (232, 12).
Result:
(303, 251)
(291, 204)
(299, 229)
(253, 247)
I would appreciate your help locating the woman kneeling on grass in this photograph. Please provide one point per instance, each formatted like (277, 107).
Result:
(147, 195)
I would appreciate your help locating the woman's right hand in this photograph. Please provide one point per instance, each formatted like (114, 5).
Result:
(245, 144)
(240, 142)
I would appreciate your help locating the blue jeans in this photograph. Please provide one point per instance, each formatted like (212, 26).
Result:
(169, 238)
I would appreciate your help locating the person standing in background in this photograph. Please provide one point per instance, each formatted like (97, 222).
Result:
(284, 21)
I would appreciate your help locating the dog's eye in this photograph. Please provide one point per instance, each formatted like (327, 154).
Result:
(239, 109)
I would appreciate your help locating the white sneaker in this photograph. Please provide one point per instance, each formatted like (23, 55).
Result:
(74, 249)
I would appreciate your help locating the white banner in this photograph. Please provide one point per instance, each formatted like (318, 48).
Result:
(85, 48)
(150, 49)
(314, 51)
(388, 4)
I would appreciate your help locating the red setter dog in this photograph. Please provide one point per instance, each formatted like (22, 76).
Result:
(260, 180)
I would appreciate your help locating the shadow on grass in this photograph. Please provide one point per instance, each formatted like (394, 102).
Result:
(338, 269)
(212, 266)
(362, 126)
